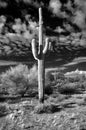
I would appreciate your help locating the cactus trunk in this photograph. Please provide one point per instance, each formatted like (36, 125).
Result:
(41, 70)
(40, 57)
(41, 80)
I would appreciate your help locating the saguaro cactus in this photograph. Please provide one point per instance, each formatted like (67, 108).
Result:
(40, 56)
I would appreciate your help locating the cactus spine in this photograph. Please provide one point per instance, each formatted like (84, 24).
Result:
(39, 56)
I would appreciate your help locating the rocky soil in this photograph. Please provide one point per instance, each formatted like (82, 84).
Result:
(21, 114)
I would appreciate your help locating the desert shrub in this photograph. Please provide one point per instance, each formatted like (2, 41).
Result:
(70, 85)
(3, 90)
(20, 80)
(77, 78)
(48, 89)
(60, 80)
(73, 79)
(84, 85)
(46, 108)
(58, 98)
(49, 78)
(33, 76)
(33, 81)
(59, 75)
(70, 88)
(82, 77)
(15, 80)
(4, 109)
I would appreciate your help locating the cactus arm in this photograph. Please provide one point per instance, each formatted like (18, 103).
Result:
(46, 46)
(50, 46)
(34, 49)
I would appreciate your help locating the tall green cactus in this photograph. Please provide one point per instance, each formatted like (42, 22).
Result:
(40, 56)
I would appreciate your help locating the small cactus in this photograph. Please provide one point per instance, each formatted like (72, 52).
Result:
(40, 56)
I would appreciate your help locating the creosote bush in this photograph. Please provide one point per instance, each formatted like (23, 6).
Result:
(15, 80)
